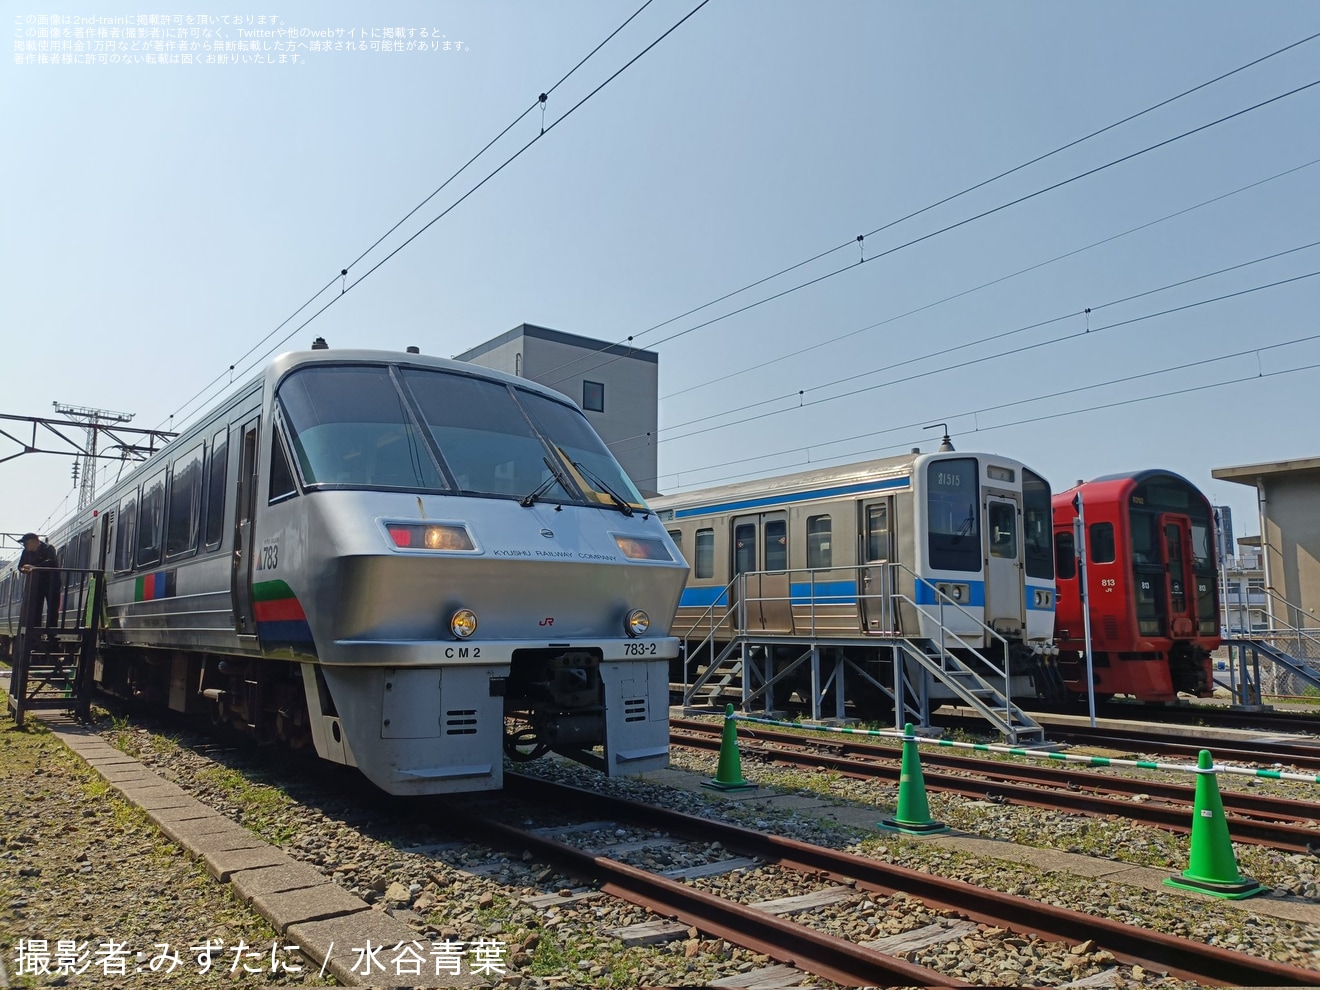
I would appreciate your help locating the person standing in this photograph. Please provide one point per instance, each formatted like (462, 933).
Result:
(41, 561)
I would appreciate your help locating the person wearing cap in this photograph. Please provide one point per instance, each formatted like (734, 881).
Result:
(39, 558)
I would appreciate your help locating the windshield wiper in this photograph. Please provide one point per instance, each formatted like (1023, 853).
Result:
(528, 500)
(600, 486)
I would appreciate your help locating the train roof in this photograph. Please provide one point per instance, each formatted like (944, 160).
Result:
(820, 482)
(1130, 478)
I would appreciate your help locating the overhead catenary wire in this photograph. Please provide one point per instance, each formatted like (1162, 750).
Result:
(982, 410)
(539, 101)
(797, 395)
(817, 345)
(947, 199)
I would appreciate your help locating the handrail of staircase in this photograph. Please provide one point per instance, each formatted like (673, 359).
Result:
(715, 625)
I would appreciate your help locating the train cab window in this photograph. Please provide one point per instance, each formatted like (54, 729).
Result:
(1002, 520)
(705, 562)
(1101, 540)
(181, 524)
(215, 489)
(151, 512)
(818, 542)
(282, 485)
(1065, 553)
(953, 515)
(776, 545)
(349, 426)
(1037, 525)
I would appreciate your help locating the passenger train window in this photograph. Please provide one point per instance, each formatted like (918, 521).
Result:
(151, 512)
(705, 562)
(677, 537)
(1102, 543)
(818, 542)
(877, 532)
(953, 515)
(185, 504)
(215, 489)
(776, 545)
(744, 548)
(1065, 553)
(282, 485)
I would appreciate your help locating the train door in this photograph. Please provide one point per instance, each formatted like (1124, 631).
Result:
(1176, 538)
(760, 550)
(875, 600)
(1003, 566)
(245, 500)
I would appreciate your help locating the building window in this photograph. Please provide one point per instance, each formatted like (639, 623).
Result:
(593, 396)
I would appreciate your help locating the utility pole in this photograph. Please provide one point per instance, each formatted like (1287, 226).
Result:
(92, 419)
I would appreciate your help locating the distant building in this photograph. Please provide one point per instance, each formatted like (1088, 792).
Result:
(1244, 589)
(616, 386)
(1288, 493)
(1224, 545)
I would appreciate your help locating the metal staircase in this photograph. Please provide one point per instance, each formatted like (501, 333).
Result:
(53, 664)
(721, 649)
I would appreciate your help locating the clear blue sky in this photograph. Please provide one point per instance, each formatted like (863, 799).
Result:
(160, 219)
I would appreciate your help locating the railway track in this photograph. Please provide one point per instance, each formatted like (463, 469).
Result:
(826, 956)
(1279, 823)
(1303, 755)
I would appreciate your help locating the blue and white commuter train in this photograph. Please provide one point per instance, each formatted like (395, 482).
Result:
(947, 547)
(416, 565)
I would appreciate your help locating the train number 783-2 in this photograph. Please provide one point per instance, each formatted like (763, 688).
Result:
(639, 649)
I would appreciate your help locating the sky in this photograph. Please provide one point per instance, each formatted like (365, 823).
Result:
(164, 218)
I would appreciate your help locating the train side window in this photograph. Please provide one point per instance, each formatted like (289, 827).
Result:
(1102, 543)
(776, 545)
(1065, 556)
(705, 553)
(215, 489)
(677, 537)
(1037, 523)
(282, 485)
(818, 542)
(151, 516)
(185, 504)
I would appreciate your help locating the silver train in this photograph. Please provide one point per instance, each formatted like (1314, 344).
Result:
(415, 565)
(943, 547)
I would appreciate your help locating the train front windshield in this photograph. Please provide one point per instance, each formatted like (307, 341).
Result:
(354, 426)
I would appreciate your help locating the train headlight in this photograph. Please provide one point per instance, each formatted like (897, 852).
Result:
(638, 548)
(429, 536)
(1042, 598)
(463, 623)
(959, 594)
(637, 623)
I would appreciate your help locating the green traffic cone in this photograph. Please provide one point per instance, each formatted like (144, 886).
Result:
(913, 813)
(1213, 867)
(728, 775)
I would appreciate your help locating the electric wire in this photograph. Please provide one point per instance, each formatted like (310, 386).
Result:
(546, 130)
(539, 101)
(985, 285)
(852, 241)
(942, 352)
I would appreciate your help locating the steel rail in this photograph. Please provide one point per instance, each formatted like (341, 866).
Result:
(1130, 945)
(830, 957)
(1023, 785)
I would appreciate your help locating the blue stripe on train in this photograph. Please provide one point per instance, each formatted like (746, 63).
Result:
(860, 488)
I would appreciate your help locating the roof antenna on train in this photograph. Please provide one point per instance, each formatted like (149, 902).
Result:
(319, 344)
(946, 444)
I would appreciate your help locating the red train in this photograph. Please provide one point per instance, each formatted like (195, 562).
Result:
(1152, 583)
